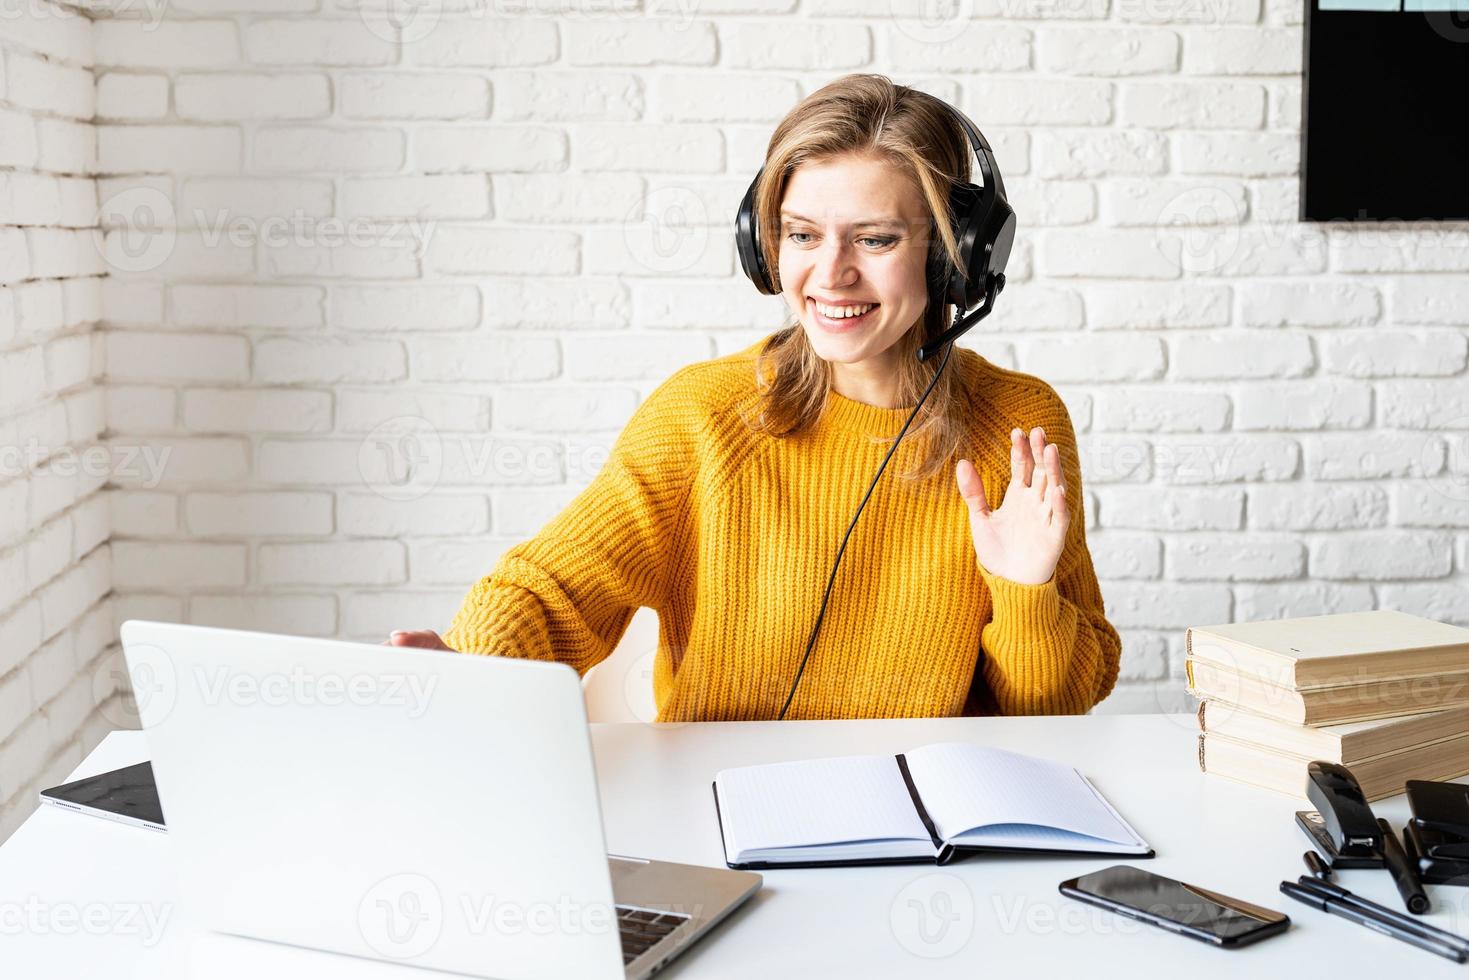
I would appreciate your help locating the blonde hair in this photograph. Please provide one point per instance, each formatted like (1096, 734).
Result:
(866, 114)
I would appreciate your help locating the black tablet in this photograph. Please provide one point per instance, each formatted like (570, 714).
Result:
(126, 795)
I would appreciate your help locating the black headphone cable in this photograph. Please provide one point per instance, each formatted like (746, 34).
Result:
(946, 341)
(811, 642)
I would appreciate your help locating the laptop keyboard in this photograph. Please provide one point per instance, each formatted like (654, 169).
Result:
(641, 929)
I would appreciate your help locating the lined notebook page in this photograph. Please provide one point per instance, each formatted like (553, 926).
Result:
(816, 801)
(1016, 799)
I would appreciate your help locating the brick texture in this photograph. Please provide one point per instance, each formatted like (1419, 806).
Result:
(371, 301)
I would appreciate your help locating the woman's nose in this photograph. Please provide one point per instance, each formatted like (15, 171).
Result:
(834, 266)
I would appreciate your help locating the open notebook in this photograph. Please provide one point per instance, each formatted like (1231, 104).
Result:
(930, 804)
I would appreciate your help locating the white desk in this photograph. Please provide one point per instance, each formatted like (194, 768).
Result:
(1005, 917)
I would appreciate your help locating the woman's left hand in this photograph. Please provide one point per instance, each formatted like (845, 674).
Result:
(1020, 540)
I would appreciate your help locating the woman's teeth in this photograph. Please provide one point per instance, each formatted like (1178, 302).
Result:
(841, 312)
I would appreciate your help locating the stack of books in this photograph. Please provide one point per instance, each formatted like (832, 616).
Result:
(1382, 692)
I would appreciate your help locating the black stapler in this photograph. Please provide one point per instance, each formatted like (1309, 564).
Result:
(1437, 838)
(1342, 827)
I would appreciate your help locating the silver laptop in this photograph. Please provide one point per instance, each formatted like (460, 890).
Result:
(412, 806)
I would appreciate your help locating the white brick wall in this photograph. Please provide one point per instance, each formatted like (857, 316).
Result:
(513, 227)
(57, 690)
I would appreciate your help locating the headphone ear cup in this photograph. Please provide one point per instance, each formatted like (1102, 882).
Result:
(747, 242)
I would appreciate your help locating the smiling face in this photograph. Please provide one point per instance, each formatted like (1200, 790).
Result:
(854, 239)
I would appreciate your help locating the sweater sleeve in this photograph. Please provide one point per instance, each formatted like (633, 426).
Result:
(1049, 648)
(569, 592)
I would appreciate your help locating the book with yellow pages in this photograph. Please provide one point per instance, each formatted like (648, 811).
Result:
(1346, 744)
(1284, 772)
(1335, 650)
(1327, 705)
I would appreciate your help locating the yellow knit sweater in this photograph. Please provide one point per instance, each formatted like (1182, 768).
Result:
(729, 535)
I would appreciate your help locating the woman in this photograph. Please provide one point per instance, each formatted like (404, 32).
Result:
(967, 586)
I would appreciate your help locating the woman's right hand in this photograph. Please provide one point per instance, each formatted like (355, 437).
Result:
(426, 639)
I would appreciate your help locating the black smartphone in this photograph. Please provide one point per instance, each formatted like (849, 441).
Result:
(1185, 909)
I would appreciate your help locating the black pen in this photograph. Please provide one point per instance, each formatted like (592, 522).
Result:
(1404, 873)
(1328, 889)
(1371, 920)
(1315, 865)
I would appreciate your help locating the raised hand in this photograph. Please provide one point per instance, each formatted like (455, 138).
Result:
(1020, 540)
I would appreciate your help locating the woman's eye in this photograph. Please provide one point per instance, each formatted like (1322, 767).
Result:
(876, 242)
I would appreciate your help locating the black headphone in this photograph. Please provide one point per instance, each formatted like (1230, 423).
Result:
(984, 226)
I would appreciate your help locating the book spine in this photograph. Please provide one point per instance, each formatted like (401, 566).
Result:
(1200, 715)
(1202, 768)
